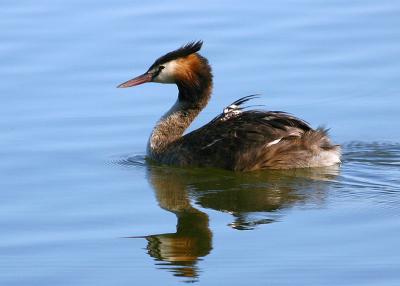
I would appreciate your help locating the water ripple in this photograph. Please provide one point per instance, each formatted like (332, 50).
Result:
(371, 170)
(135, 161)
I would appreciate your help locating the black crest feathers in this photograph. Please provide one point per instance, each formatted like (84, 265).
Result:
(184, 51)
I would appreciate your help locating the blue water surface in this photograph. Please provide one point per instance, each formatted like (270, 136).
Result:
(80, 206)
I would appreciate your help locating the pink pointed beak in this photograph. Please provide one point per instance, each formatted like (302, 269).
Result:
(146, 77)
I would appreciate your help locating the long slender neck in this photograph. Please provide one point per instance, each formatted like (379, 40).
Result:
(170, 127)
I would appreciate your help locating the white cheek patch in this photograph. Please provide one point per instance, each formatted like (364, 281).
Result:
(167, 74)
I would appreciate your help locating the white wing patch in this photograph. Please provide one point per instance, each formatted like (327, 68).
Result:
(212, 143)
(274, 142)
(231, 111)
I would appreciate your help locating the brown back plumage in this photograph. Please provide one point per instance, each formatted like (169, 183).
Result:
(252, 140)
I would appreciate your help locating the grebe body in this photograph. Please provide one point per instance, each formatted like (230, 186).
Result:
(237, 139)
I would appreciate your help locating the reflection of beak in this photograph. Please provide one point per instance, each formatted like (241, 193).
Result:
(146, 77)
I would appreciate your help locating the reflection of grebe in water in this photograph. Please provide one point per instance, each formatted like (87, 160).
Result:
(252, 198)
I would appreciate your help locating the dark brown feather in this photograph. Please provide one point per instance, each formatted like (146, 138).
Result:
(183, 51)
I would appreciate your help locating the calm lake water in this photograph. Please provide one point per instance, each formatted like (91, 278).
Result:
(78, 203)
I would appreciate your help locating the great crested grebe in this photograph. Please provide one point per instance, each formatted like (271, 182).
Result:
(237, 139)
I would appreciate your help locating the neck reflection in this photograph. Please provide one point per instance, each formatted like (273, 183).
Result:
(192, 240)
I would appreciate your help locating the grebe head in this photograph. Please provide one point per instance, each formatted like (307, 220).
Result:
(181, 65)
